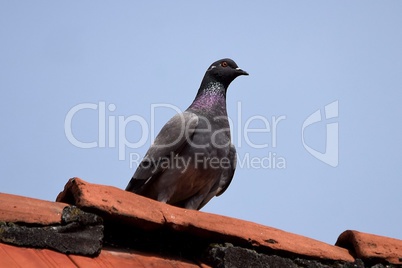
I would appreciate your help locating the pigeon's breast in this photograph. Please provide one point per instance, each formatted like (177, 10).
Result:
(212, 135)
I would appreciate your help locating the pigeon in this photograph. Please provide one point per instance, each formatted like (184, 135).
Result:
(192, 158)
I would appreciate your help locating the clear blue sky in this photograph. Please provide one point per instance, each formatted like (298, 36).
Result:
(111, 67)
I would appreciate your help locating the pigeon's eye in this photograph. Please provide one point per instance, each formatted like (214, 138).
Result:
(224, 64)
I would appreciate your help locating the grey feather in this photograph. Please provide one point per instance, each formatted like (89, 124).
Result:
(170, 140)
(225, 179)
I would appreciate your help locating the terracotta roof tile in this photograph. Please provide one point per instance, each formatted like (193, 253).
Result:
(37, 223)
(129, 258)
(11, 256)
(114, 201)
(144, 213)
(371, 248)
(16, 208)
(153, 231)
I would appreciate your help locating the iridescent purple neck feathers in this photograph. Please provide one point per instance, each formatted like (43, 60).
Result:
(213, 96)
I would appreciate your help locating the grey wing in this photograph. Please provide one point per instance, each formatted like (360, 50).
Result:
(225, 178)
(171, 139)
(227, 174)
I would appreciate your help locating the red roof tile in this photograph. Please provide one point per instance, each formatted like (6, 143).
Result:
(143, 217)
(369, 247)
(129, 258)
(145, 213)
(37, 223)
(16, 208)
(11, 256)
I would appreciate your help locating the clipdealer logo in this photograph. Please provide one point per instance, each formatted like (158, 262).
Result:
(331, 154)
(112, 133)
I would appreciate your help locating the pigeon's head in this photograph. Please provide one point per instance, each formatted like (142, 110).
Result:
(224, 71)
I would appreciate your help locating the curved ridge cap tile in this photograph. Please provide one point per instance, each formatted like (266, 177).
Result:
(256, 235)
(369, 246)
(15, 208)
(112, 202)
(134, 209)
(71, 193)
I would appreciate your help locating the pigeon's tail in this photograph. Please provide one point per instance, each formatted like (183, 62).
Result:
(135, 185)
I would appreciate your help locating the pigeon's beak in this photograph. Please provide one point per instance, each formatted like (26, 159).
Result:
(241, 72)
